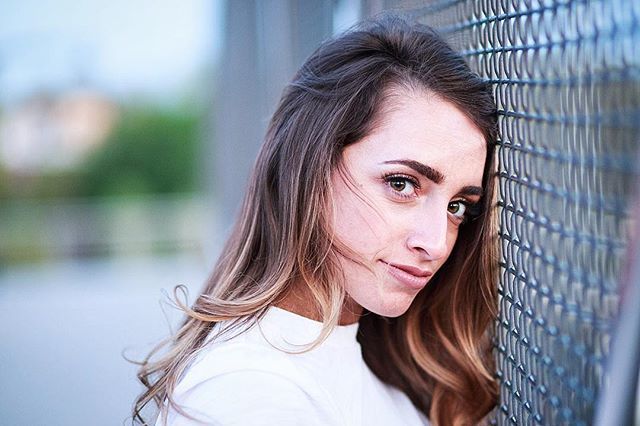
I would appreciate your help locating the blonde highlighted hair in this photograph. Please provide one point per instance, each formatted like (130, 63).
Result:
(439, 351)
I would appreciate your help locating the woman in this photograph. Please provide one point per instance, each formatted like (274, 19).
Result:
(368, 217)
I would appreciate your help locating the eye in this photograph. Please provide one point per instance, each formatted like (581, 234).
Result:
(464, 211)
(403, 186)
(457, 208)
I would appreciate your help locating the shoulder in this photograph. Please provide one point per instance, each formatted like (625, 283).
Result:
(246, 383)
(244, 352)
(393, 407)
(249, 397)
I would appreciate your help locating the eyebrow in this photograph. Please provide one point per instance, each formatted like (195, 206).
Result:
(472, 190)
(435, 175)
(430, 173)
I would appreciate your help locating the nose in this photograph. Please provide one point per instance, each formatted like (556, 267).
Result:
(428, 236)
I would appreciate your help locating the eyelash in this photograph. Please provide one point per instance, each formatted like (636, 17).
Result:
(472, 210)
(392, 177)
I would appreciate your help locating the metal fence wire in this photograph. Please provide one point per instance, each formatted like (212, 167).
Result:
(566, 77)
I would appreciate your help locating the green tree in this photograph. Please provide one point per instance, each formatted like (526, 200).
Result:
(150, 151)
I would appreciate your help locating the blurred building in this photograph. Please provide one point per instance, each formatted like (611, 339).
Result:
(54, 131)
(265, 43)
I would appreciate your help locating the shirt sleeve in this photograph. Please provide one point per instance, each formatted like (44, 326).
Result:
(248, 397)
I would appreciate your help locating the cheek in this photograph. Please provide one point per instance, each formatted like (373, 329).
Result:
(359, 230)
(452, 237)
(357, 224)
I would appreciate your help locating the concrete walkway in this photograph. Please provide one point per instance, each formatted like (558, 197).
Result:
(64, 328)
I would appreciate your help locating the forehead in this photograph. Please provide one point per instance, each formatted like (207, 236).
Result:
(420, 126)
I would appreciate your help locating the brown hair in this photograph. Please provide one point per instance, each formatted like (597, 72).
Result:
(439, 351)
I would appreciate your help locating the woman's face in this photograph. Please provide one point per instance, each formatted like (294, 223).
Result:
(411, 183)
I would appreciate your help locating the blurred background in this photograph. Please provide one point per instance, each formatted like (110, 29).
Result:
(127, 130)
(104, 118)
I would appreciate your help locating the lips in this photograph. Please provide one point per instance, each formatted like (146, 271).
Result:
(412, 270)
(410, 276)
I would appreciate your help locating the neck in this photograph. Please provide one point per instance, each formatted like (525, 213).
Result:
(300, 302)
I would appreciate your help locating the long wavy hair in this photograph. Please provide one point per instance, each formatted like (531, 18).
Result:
(439, 351)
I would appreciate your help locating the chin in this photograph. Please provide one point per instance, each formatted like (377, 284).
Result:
(386, 299)
(390, 310)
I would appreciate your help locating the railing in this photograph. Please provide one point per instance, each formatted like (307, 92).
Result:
(79, 228)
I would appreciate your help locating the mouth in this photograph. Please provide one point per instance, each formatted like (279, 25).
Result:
(410, 276)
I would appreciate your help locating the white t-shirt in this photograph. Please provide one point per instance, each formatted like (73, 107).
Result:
(249, 379)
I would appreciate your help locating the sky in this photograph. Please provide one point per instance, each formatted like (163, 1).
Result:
(122, 47)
